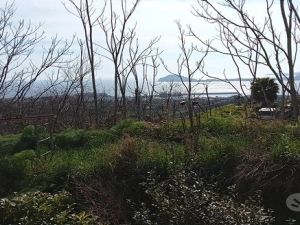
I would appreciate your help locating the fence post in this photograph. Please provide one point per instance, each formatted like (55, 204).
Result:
(37, 139)
(50, 128)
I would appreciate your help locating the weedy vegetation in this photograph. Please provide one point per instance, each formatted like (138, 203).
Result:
(145, 173)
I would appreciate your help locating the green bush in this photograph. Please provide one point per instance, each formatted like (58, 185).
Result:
(130, 126)
(71, 138)
(22, 156)
(42, 208)
(76, 138)
(59, 170)
(28, 138)
(217, 151)
(8, 144)
(185, 199)
(13, 170)
(284, 142)
(54, 174)
(98, 138)
(11, 175)
(217, 126)
(159, 155)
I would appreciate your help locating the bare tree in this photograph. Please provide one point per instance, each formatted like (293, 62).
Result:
(18, 69)
(184, 62)
(184, 65)
(148, 68)
(121, 41)
(151, 84)
(84, 10)
(256, 44)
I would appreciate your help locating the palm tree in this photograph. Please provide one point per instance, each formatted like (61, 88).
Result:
(264, 91)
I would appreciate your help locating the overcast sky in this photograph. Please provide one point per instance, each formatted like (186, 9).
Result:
(154, 18)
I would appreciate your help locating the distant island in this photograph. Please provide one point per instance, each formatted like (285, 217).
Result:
(177, 78)
(296, 75)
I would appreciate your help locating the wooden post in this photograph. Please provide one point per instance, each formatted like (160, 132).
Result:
(50, 128)
(37, 140)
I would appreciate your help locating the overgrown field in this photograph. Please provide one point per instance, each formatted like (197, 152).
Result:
(137, 172)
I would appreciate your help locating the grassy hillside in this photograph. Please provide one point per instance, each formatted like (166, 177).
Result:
(138, 172)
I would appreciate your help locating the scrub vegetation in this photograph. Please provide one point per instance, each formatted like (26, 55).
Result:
(147, 173)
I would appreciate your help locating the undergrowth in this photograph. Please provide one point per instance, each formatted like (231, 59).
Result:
(116, 165)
